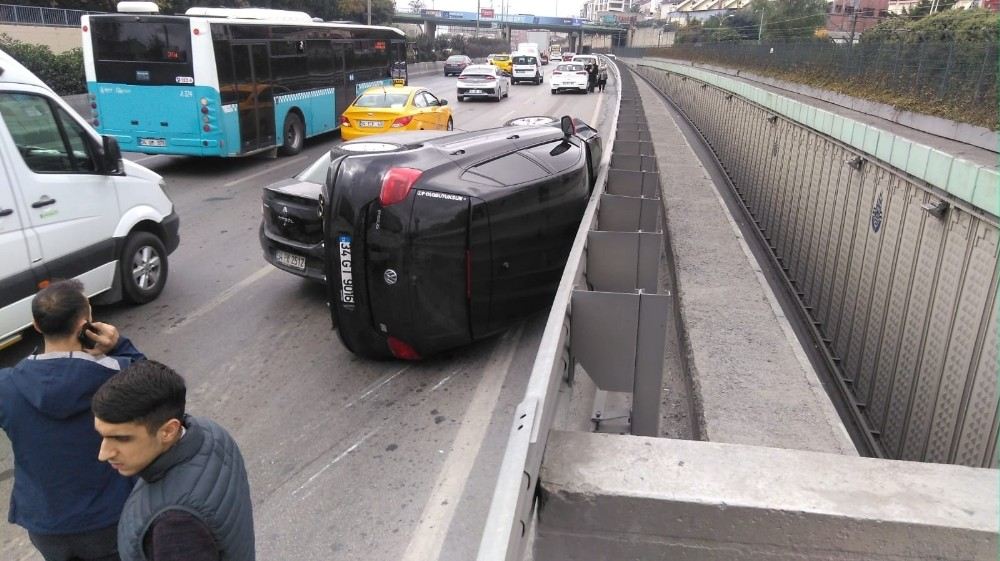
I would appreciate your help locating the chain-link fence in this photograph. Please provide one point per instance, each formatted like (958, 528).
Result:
(37, 15)
(954, 79)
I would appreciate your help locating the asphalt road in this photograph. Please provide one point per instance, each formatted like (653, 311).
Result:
(348, 458)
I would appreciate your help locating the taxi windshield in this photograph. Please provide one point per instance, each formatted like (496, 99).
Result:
(382, 99)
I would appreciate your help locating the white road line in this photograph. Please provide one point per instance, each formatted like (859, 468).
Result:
(597, 110)
(140, 160)
(428, 537)
(442, 382)
(339, 457)
(267, 169)
(376, 386)
(222, 297)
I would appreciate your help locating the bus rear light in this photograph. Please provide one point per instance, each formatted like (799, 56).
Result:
(96, 123)
(93, 105)
(86, 29)
(204, 110)
(204, 119)
(204, 101)
(402, 121)
(196, 31)
(402, 350)
(206, 128)
(397, 184)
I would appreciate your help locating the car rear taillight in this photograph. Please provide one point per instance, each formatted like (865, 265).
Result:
(401, 121)
(400, 349)
(397, 184)
(344, 122)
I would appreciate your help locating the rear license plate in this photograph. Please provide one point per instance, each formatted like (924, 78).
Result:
(371, 124)
(475, 91)
(152, 142)
(346, 279)
(290, 260)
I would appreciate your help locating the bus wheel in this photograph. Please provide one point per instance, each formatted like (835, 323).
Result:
(294, 135)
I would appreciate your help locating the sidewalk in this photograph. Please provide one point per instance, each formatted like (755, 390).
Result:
(751, 374)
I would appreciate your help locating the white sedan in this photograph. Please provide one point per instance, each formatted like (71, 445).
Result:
(483, 80)
(569, 76)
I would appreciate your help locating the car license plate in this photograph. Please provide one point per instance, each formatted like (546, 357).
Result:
(152, 142)
(290, 260)
(346, 279)
(371, 124)
(475, 91)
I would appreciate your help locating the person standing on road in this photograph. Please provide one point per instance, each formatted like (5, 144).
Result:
(67, 500)
(192, 500)
(602, 77)
(591, 77)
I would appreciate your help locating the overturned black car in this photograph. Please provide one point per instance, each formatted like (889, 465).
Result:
(430, 240)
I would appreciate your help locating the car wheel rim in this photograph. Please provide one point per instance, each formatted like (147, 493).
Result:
(146, 267)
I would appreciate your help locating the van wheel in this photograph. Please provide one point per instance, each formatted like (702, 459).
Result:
(293, 136)
(143, 266)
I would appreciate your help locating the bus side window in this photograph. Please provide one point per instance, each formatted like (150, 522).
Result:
(224, 66)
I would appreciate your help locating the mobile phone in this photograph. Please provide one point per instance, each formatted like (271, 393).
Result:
(87, 342)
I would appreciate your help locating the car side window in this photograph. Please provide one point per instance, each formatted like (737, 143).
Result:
(419, 100)
(48, 141)
(431, 100)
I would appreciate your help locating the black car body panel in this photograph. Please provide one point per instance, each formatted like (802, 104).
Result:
(478, 242)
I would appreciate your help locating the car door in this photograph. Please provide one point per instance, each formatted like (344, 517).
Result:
(68, 205)
(422, 112)
(436, 112)
(17, 281)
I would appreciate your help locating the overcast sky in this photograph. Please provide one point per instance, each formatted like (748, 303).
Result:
(564, 8)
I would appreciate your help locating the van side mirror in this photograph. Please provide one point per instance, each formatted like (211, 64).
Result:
(567, 126)
(111, 156)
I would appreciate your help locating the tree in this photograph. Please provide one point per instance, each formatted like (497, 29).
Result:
(357, 10)
(416, 6)
(788, 19)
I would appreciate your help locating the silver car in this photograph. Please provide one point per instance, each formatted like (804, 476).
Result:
(483, 81)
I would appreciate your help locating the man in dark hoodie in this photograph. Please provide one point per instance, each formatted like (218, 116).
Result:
(67, 499)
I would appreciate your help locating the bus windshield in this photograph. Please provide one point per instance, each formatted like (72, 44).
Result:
(130, 41)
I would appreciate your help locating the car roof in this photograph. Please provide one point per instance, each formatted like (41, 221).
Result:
(15, 72)
(393, 89)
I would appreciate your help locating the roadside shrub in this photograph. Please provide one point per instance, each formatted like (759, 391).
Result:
(63, 72)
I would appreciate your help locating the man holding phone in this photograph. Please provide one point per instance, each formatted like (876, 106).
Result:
(67, 500)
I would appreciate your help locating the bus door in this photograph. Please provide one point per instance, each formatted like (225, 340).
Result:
(343, 84)
(252, 66)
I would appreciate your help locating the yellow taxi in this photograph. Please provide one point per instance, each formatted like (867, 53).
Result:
(395, 108)
(503, 62)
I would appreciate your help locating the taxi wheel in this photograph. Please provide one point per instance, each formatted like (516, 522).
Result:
(451, 124)
(293, 136)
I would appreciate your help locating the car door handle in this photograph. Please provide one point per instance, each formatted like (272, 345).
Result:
(6, 212)
(44, 201)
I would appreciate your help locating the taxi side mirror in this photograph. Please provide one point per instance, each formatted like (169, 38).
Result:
(442, 102)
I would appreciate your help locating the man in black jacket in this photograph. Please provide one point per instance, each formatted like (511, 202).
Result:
(67, 500)
(192, 500)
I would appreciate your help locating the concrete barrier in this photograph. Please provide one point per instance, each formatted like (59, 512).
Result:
(626, 497)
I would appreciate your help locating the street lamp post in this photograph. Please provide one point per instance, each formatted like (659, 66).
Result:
(369, 12)
(477, 17)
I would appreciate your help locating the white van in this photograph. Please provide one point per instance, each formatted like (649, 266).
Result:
(527, 67)
(70, 207)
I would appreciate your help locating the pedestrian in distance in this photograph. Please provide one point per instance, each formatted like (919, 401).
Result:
(591, 77)
(602, 77)
(67, 500)
(192, 499)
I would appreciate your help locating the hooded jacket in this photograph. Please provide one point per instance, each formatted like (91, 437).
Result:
(60, 487)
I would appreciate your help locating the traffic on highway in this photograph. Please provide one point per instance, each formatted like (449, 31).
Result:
(359, 307)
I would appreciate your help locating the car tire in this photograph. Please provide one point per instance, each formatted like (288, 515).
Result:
(460, 98)
(143, 267)
(293, 135)
(451, 124)
(554, 91)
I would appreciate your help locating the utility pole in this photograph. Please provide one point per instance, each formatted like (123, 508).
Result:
(369, 12)
(760, 31)
(477, 17)
(854, 22)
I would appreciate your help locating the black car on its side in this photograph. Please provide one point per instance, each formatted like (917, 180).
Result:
(428, 241)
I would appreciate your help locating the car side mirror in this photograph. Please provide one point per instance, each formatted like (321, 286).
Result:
(442, 102)
(111, 156)
(567, 126)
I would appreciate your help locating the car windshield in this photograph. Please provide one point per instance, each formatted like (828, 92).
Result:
(524, 60)
(569, 67)
(382, 99)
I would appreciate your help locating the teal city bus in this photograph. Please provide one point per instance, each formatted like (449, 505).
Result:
(229, 82)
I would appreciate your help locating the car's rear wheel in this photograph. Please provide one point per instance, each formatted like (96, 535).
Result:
(293, 136)
(554, 91)
(143, 267)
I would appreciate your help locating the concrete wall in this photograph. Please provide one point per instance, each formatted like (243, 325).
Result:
(651, 37)
(59, 39)
(627, 497)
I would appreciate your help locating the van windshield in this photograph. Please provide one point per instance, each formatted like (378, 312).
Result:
(524, 60)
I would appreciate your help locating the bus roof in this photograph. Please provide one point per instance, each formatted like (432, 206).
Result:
(248, 21)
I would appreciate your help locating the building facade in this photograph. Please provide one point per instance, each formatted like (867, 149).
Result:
(847, 17)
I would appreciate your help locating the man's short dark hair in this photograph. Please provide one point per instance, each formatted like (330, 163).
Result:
(147, 392)
(58, 307)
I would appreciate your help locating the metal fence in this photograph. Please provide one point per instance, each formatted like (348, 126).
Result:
(37, 15)
(899, 280)
(959, 76)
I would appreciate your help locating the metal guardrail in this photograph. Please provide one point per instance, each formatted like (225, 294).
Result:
(41, 16)
(512, 507)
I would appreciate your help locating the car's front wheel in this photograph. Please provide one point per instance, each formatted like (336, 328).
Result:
(143, 267)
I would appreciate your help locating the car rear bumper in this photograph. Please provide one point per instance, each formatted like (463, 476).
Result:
(313, 254)
(480, 92)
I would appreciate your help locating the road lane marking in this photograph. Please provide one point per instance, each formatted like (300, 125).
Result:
(442, 382)
(428, 538)
(376, 386)
(339, 457)
(145, 159)
(222, 298)
(266, 170)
